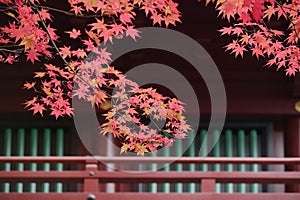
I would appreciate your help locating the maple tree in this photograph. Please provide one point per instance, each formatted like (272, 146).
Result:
(29, 30)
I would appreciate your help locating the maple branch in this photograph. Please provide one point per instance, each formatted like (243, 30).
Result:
(9, 46)
(289, 18)
(66, 12)
(48, 33)
(15, 51)
(5, 9)
(53, 42)
(290, 8)
(55, 46)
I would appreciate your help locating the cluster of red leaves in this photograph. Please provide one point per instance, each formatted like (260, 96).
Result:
(131, 114)
(56, 89)
(24, 33)
(253, 30)
(160, 11)
(29, 31)
(94, 81)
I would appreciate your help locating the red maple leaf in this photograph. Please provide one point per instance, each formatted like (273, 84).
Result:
(29, 85)
(74, 33)
(37, 108)
(65, 51)
(79, 53)
(6, 1)
(257, 52)
(98, 26)
(226, 30)
(30, 102)
(258, 8)
(290, 71)
(107, 34)
(77, 9)
(157, 18)
(52, 33)
(89, 45)
(45, 15)
(125, 18)
(133, 33)
(56, 112)
(33, 55)
(245, 17)
(239, 50)
(11, 59)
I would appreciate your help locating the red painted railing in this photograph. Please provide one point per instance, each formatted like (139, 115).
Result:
(91, 177)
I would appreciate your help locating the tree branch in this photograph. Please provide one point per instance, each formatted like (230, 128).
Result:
(289, 18)
(66, 12)
(48, 33)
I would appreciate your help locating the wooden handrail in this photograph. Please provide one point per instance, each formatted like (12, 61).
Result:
(149, 177)
(150, 196)
(131, 159)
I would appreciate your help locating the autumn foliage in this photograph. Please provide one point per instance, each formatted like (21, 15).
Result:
(30, 31)
(266, 28)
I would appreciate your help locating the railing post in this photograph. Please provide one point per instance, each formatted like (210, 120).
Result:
(208, 185)
(292, 148)
(91, 184)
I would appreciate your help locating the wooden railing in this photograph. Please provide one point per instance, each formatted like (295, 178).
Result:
(90, 177)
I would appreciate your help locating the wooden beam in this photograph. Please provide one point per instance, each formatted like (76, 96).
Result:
(151, 196)
(134, 159)
(149, 177)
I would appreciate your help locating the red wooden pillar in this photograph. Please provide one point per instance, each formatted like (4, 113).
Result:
(292, 147)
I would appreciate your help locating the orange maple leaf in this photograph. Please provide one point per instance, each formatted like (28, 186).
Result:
(28, 41)
(98, 26)
(29, 85)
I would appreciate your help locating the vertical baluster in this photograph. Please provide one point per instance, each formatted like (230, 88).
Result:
(229, 153)
(192, 167)
(241, 153)
(153, 186)
(178, 167)
(203, 149)
(46, 152)
(254, 153)
(7, 152)
(33, 152)
(59, 152)
(20, 152)
(217, 153)
(166, 186)
(110, 187)
(141, 186)
(141, 167)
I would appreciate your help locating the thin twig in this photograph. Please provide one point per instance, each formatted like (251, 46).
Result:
(15, 51)
(9, 46)
(289, 18)
(48, 33)
(66, 12)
